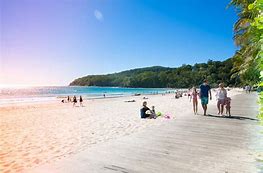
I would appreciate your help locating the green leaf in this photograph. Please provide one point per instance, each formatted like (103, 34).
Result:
(250, 6)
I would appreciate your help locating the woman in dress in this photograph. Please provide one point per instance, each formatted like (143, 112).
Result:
(221, 96)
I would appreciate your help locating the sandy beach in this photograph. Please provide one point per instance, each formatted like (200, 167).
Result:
(37, 134)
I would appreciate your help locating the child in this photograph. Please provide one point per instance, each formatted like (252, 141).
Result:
(153, 112)
(228, 103)
(195, 101)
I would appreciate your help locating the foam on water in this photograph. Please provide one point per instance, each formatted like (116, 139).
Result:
(42, 94)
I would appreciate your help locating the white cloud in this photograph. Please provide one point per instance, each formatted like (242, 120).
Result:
(98, 15)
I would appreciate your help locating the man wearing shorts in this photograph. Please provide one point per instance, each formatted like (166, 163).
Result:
(204, 90)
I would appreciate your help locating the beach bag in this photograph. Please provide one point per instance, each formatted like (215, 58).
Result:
(159, 114)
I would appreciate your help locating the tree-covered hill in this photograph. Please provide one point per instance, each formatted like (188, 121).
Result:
(160, 77)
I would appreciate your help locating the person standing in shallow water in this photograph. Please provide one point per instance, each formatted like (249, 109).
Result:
(205, 90)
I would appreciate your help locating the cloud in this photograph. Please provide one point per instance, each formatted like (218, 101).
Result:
(98, 15)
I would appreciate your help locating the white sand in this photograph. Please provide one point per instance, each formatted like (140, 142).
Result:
(35, 134)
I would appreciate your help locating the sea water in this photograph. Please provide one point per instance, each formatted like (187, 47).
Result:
(40, 94)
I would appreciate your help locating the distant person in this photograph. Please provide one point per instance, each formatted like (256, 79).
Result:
(176, 95)
(189, 94)
(130, 101)
(104, 95)
(80, 101)
(194, 96)
(247, 88)
(204, 90)
(228, 106)
(221, 96)
(74, 100)
(69, 99)
(145, 111)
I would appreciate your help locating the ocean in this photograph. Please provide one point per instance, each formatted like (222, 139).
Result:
(40, 94)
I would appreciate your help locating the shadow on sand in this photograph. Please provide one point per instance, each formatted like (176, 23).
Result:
(232, 117)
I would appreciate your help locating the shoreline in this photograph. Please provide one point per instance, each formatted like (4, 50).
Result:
(45, 94)
(13, 101)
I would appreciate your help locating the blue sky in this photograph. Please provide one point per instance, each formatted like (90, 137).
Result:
(47, 42)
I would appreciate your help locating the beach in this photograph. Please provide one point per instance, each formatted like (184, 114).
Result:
(45, 133)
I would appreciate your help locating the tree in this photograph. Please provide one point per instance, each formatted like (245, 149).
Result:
(249, 36)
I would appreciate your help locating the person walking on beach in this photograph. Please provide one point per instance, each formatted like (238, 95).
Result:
(189, 94)
(221, 96)
(80, 101)
(204, 90)
(74, 101)
(69, 99)
(247, 88)
(194, 98)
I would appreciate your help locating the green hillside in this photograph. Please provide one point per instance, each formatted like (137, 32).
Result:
(161, 77)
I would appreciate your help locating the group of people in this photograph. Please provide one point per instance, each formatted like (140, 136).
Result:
(74, 100)
(147, 112)
(223, 101)
(178, 94)
(248, 88)
(204, 93)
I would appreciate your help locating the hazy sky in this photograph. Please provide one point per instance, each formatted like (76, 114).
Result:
(51, 42)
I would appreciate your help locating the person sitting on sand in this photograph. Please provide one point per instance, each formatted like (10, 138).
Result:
(74, 100)
(145, 111)
(130, 101)
(80, 101)
(177, 95)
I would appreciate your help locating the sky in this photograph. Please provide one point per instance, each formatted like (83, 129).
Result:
(47, 42)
